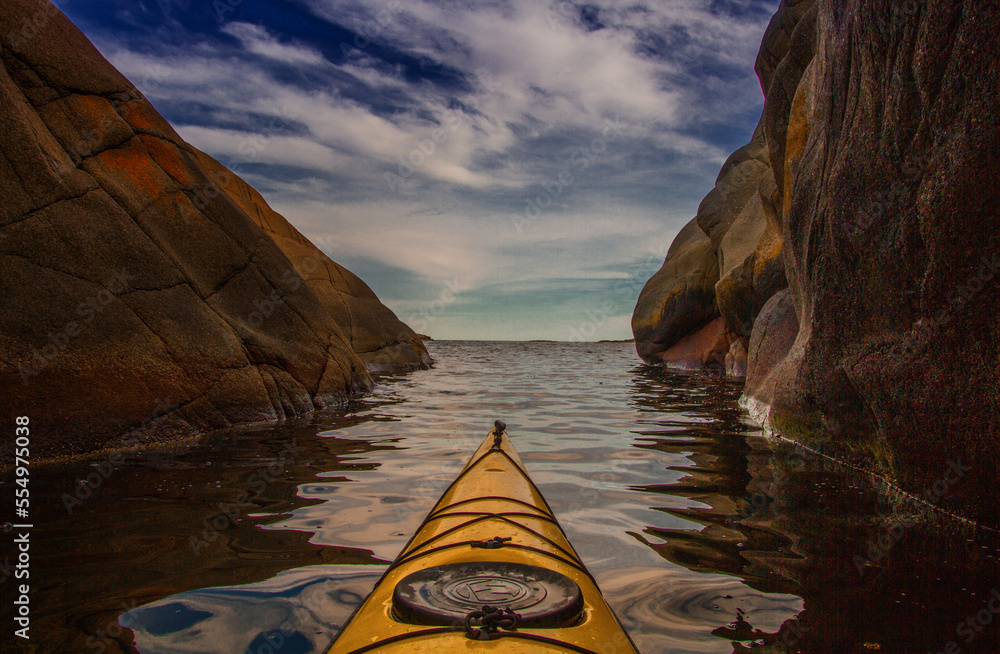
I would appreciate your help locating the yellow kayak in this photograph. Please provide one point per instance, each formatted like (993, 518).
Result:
(489, 570)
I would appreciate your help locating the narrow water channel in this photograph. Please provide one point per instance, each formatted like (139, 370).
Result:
(704, 535)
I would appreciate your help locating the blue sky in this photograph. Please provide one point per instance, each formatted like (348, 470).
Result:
(492, 169)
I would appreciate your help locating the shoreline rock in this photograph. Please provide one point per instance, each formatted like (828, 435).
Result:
(148, 292)
(868, 302)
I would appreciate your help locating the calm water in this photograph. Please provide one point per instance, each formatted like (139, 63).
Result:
(704, 535)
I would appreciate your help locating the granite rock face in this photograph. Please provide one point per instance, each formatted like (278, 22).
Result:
(716, 275)
(383, 342)
(739, 222)
(880, 212)
(147, 292)
(890, 213)
(679, 299)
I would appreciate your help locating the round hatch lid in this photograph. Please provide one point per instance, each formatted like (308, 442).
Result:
(445, 594)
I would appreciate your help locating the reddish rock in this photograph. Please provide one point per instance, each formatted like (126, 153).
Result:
(382, 341)
(881, 209)
(888, 207)
(680, 298)
(134, 286)
(691, 289)
(736, 359)
(774, 334)
(706, 348)
(891, 242)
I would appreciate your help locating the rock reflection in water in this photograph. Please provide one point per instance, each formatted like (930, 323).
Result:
(877, 571)
(703, 535)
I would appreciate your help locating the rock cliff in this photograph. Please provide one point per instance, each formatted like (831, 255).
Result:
(382, 341)
(868, 304)
(143, 283)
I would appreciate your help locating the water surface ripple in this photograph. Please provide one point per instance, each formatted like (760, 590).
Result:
(704, 535)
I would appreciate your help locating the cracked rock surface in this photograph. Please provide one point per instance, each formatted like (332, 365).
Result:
(146, 292)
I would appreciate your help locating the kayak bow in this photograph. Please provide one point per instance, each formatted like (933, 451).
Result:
(489, 570)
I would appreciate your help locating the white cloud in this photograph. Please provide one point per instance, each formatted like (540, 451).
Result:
(551, 69)
(257, 40)
(544, 70)
(238, 148)
(439, 248)
(537, 75)
(540, 87)
(477, 251)
(689, 146)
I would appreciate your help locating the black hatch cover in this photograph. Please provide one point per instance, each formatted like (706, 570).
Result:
(445, 594)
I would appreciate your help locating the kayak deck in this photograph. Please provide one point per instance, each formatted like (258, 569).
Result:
(491, 518)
